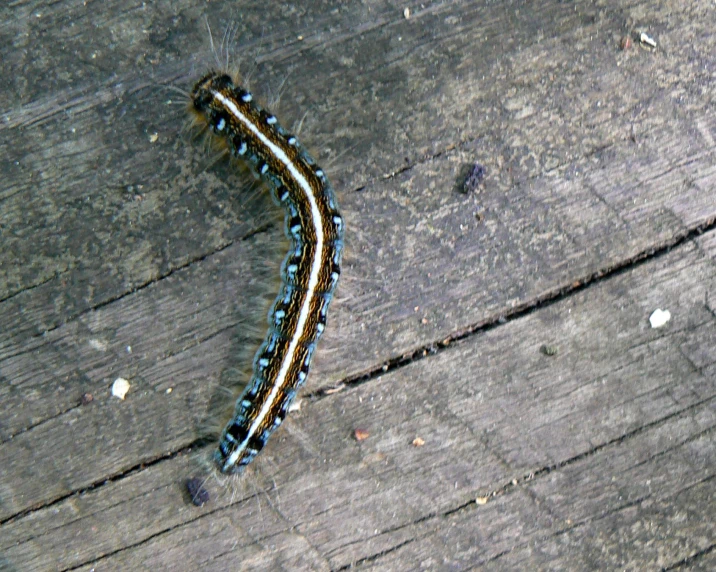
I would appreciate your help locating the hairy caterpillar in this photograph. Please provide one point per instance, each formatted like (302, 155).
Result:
(309, 273)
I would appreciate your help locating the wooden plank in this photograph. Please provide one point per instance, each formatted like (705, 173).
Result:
(540, 225)
(594, 158)
(129, 337)
(623, 512)
(181, 220)
(608, 439)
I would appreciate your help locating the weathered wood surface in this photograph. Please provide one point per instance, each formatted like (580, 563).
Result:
(598, 160)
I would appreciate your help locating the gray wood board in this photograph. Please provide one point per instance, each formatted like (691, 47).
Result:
(125, 254)
(601, 455)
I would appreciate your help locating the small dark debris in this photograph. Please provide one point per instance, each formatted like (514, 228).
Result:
(198, 494)
(474, 178)
(549, 350)
(86, 399)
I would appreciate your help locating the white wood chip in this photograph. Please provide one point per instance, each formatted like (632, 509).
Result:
(659, 318)
(120, 387)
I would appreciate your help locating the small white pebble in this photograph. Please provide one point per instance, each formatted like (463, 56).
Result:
(659, 318)
(169, 390)
(645, 39)
(120, 387)
(406, 13)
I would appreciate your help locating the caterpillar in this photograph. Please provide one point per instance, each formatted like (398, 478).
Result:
(309, 272)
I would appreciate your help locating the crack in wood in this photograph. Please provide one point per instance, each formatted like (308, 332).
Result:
(515, 483)
(556, 295)
(694, 558)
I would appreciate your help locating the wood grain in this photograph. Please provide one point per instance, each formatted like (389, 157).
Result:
(128, 251)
